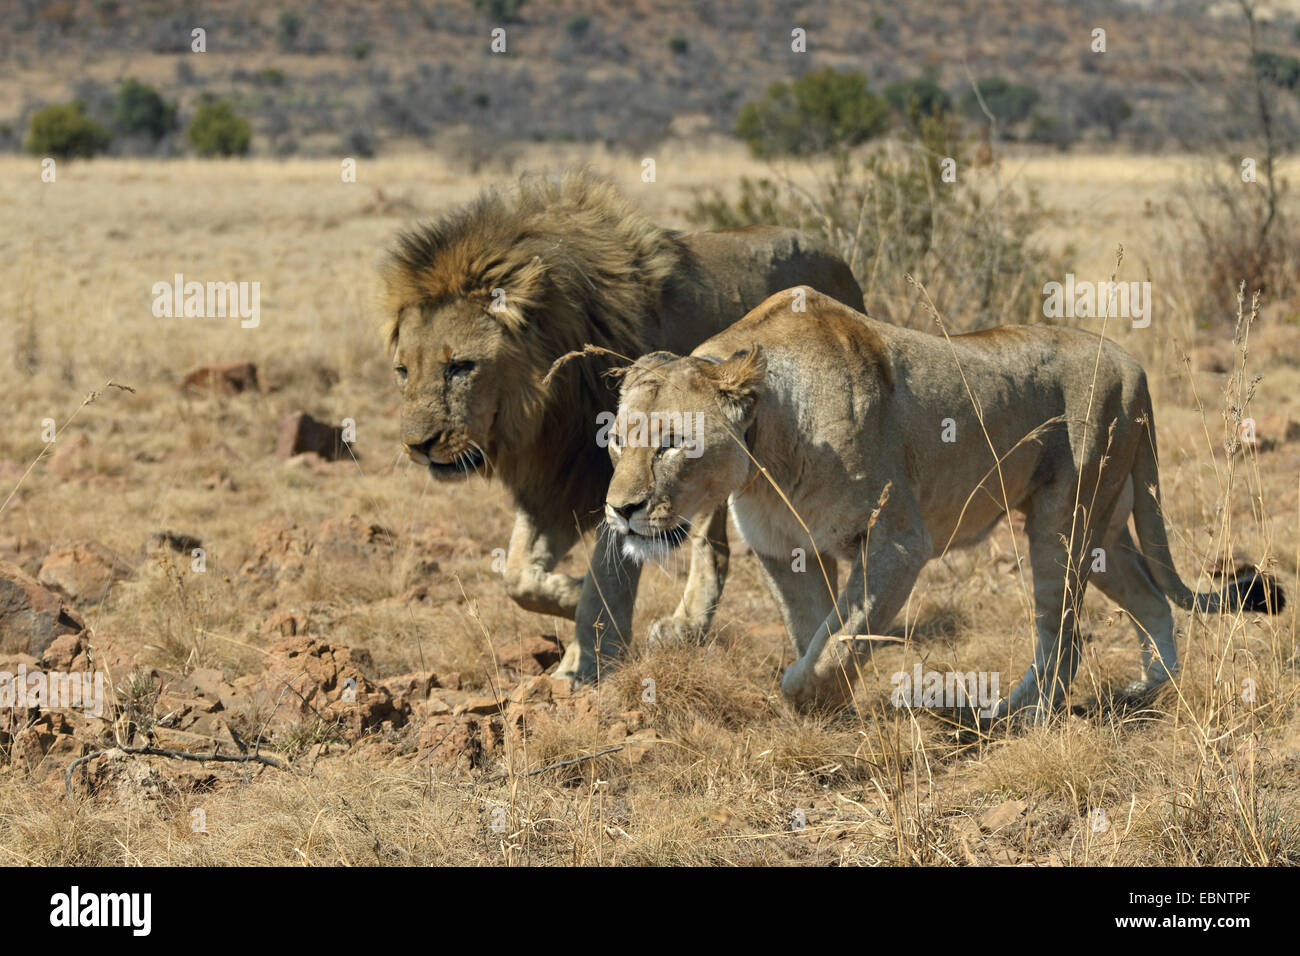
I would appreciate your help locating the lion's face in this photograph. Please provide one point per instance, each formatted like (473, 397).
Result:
(677, 446)
(448, 360)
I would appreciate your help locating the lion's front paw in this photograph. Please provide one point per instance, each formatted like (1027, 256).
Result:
(577, 667)
(806, 691)
(794, 686)
(1144, 691)
(673, 631)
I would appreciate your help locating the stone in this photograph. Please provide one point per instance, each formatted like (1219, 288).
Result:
(228, 379)
(299, 433)
(309, 678)
(279, 550)
(31, 616)
(171, 541)
(83, 571)
(71, 456)
(351, 537)
(534, 690)
(27, 553)
(451, 741)
(481, 704)
(1005, 813)
(285, 624)
(530, 655)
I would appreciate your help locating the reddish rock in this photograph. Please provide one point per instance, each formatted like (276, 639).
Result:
(80, 652)
(71, 456)
(230, 379)
(352, 537)
(534, 690)
(27, 553)
(46, 746)
(1216, 359)
(31, 617)
(83, 571)
(171, 541)
(409, 689)
(1273, 429)
(530, 655)
(310, 678)
(300, 433)
(285, 624)
(279, 550)
(451, 742)
(638, 745)
(480, 704)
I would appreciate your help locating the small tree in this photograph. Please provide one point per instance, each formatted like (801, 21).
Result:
(1008, 102)
(65, 131)
(820, 110)
(217, 130)
(1279, 69)
(500, 10)
(288, 29)
(140, 110)
(922, 95)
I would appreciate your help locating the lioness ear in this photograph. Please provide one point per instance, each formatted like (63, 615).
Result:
(739, 380)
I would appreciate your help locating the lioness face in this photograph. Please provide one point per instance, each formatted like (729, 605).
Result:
(447, 361)
(678, 452)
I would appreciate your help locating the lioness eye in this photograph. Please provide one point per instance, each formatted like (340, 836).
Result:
(457, 369)
(401, 372)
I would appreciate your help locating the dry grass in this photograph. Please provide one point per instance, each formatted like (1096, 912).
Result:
(735, 777)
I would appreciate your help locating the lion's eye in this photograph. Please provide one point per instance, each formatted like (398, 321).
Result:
(457, 369)
(401, 373)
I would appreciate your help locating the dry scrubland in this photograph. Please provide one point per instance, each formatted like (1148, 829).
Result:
(713, 770)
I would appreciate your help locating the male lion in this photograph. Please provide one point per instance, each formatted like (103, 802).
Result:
(483, 302)
(892, 445)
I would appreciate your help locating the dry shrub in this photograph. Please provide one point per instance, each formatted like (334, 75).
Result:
(891, 214)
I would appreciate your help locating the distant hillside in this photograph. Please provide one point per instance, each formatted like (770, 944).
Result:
(355, 77)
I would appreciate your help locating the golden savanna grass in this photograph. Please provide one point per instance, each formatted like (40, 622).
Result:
(734, 776)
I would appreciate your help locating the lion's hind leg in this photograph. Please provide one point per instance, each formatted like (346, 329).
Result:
(1128, 582)
(1059, 579)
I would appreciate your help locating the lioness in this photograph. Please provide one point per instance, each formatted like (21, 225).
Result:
(891, 446)
(483, 302)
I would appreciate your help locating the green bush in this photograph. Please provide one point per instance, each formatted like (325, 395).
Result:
(500, 10)
(288, 30)
(65, 131)
(217, 130)
(140, 110)
(1009, 102)
(679, 45)
(820, 110)
(577, 25)
(1278, 68)
(921, 96)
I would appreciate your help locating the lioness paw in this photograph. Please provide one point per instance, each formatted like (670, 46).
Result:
(673, 631)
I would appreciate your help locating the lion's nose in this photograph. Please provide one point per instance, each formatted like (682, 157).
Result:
(626, 511)
(419, 448)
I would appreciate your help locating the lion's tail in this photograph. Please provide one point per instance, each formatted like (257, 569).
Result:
(1249, 590)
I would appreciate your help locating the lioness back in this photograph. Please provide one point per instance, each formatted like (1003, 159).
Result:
(856, 390)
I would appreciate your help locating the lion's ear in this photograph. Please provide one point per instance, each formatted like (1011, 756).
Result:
(739, 380)
(514, 290)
